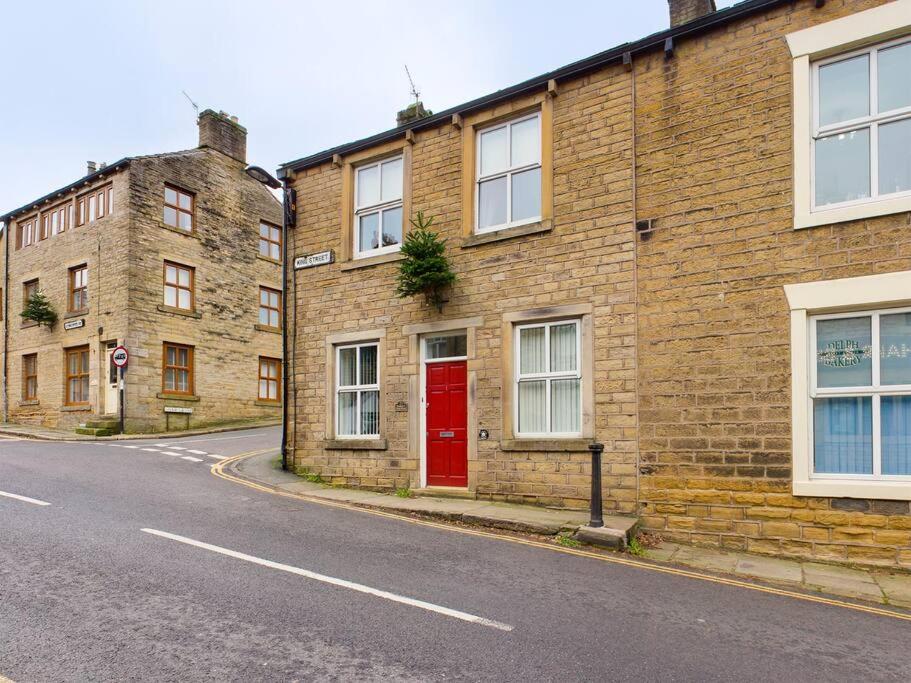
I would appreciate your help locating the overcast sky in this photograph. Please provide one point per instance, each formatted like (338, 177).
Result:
(101, 80)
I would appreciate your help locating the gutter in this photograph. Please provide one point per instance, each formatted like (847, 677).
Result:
(650, 43)
(85, 180)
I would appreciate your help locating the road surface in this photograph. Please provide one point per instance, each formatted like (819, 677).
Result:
(143, 566)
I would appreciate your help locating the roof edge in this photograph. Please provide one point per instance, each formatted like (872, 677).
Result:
(601, 59)
(110, 168)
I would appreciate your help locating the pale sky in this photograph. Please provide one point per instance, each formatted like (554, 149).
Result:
(102, 79)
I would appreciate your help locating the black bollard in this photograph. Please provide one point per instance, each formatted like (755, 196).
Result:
(597, 518)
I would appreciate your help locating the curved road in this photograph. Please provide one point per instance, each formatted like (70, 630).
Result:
(143, 566)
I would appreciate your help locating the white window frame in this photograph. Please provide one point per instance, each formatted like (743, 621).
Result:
(871, 122)
(548, 376)
(875, 390)
(356, 388)
(508, 172)
(810, 301)
(379, 208)
(810, 48)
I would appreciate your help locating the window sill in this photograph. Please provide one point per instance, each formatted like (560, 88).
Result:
(355, 444)
(268, 259)
(879, 490)
(24, 325)
(266, 328)
(178, 311)
(508, 233)
(555, 445)
(354, 264)
(884, 207)
(82, 408)
(177, 397)
(267, 404)
(185, 233)
(30, 402)
(76, 314)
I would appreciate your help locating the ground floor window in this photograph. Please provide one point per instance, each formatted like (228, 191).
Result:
(270, 370)
(30, 377)
(76, 362)
(860, 394)
(177, 370)
(357, 391)
(548, 380)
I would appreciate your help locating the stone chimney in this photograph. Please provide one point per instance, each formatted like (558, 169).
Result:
(412, 112)
(222, 132)
(90, 167)
(685, 11)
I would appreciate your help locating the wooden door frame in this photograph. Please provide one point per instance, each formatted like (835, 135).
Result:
(422, 420)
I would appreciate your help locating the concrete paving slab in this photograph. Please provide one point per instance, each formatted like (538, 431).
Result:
(896, 587)
(852, 583)
(663, 552)
(770, 569)
(706, 558)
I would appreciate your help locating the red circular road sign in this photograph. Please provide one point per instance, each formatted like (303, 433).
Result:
(120, 356)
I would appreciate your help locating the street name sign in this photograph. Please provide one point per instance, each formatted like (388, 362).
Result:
(320, 259)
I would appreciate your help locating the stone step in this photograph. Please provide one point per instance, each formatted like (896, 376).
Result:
(616, 533)
(442, 492)
(103, 423)
(94, 431)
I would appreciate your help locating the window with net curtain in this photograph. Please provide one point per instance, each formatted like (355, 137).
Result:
(378, 217)
(862, 126)
(548, 379)
(357, 391)
(861, 395)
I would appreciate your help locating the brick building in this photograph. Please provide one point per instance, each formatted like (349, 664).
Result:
(689, 248)
(177, 257)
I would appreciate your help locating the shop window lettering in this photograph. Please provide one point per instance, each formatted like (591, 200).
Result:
(844, 353)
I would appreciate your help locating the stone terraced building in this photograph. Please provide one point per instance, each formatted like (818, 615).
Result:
(694, 248)
(177, 257)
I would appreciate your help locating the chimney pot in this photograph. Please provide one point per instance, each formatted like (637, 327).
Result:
(685, 11)
(223, 133)
(91, 167)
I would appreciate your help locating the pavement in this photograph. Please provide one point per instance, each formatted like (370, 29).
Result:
(121, 563)
(265, 469)
(53, 434)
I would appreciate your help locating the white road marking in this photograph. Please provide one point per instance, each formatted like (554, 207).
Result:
(360, 588)
(151, 450)
(217, 457)
(129, 446)
(24, 499)
(172, 453)
(190, 450)
(190, 458)
(223, 438)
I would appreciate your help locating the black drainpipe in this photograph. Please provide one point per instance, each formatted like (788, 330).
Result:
(5, 313)
(286, 190)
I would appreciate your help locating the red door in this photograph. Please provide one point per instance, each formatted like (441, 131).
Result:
(447, 424)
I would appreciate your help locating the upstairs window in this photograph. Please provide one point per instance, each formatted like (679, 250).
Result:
(270, 241)
(508, 174)
(79, 289)
(179, 286)
(270, 307)
(29, 289)
(179, 208)
(862, 126)
(94, 205)
(378, 215)
(58, 218)
(27, 232)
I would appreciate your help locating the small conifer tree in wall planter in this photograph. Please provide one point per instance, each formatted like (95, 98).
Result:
(39, 310)
(426, 269)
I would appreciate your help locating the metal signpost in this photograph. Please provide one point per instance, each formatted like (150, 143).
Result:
(120, 357)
